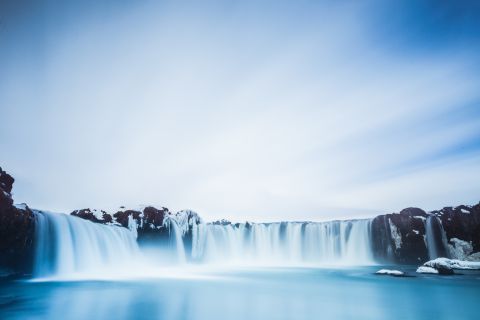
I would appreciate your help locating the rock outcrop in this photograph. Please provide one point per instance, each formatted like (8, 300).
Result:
(444, 266)
(150, 223)
(402, 237)
(17, 230)
(462, 222)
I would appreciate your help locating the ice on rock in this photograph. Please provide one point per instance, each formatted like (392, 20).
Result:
(186, 219)
(453, 264)
(21, 206)
(473, 257)
(390, 272)
(424, 269)
(459, 249)
(132, 226)
(396, 236)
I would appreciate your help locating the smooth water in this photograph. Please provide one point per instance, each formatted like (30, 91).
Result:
(261, 293)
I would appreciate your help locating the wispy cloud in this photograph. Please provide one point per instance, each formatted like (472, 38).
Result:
(245, 112)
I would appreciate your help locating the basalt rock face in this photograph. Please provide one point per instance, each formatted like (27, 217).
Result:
(400, 237)
(150, 223)
(93, 216)
(462, 222)
(403, 237)
(17, 231)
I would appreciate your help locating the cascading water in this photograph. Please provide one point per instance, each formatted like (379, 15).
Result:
(435, 237)
(67, 245)
(286, 243)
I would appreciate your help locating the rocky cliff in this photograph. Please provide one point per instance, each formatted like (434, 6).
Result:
(414, 236)
(17, 230)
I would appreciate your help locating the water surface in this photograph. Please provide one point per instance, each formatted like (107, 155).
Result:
(248, 293)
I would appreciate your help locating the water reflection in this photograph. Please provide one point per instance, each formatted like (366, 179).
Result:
(249, 294)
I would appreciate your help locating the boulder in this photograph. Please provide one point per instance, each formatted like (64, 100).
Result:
(445, 266)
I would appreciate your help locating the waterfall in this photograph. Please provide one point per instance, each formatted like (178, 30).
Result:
(435, 237)
(67, 245)
(285, 243)
(178, 241)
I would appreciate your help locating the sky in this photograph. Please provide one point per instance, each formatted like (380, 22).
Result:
(244, 110)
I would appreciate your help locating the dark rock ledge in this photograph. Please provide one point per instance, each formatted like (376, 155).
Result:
(17, 230)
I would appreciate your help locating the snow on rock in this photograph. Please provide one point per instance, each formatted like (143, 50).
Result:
(186, 219)
(21, 206)
(396, 236)
(222, 222)
(473, 257)
(132, 225)
(446, 266)
(459, 249)
(423, 269)
(390, 272)
(453, 264)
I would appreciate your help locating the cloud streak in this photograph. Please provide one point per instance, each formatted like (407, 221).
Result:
(247, 112)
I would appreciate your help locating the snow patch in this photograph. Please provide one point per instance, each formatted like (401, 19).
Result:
(390, 272)
(98, 213)
(21, 206)
(132, 225)
(424, 269)
(453, 264)
(420, 217)
(186, 219)
(396, 236)
(459, 249)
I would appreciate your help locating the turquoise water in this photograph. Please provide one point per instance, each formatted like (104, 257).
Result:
(266, 293)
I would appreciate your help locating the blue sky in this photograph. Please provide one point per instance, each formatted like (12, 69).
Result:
(242, 110)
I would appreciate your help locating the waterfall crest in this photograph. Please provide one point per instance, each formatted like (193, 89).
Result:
(284, 243)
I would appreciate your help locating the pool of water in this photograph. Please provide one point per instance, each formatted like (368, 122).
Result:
(246, 294)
